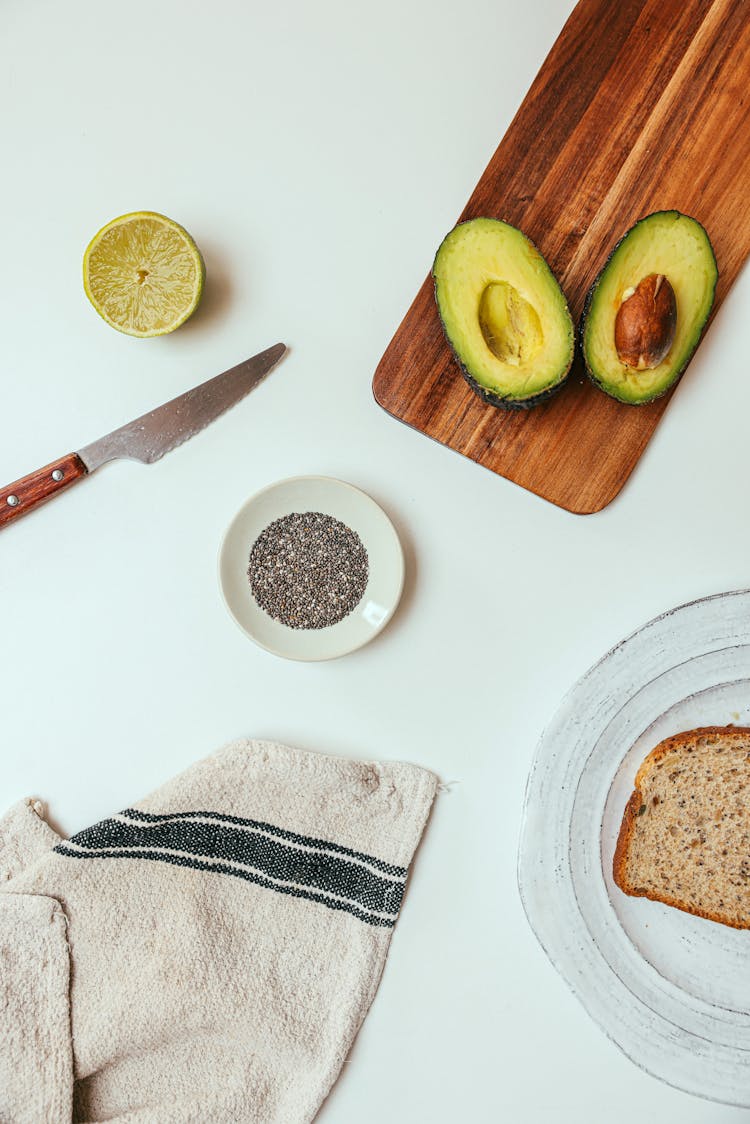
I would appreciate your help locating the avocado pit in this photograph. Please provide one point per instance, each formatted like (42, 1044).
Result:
(646, 323)
(510, 325)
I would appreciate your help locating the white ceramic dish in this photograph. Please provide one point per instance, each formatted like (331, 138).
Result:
(356, 510)
(672, 990)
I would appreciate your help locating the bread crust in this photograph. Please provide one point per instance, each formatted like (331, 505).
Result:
(632, 809)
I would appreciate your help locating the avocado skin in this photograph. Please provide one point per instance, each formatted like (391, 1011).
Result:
(512, 405)
(587, 306)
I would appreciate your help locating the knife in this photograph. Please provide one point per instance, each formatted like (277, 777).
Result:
(146, 439)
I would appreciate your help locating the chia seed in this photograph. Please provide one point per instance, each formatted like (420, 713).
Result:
(308, 570)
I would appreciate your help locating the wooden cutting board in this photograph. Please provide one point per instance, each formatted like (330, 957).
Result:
(640, 106)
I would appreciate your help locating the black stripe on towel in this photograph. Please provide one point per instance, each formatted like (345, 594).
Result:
(312, 873)
(290, 836)
(219, 868)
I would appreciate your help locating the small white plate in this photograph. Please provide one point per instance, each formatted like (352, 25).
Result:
(357, 511)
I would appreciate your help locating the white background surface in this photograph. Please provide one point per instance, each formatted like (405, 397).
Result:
(318, 153)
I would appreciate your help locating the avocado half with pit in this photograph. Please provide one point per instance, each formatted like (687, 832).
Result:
(645, 313)
(504, 314)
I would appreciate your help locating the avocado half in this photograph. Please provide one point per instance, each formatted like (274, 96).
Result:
(503, 313)
(665, 244)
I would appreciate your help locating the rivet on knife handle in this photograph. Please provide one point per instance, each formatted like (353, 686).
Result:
(34, 489)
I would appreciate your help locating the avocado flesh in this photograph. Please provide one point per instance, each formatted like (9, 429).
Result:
(665, 242)
(510, 325)
(503, 313)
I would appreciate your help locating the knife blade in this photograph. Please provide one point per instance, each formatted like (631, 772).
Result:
(144, 439)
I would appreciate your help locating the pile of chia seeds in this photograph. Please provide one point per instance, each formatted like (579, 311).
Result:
(308, 570)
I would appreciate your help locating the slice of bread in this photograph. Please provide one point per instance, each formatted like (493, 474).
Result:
(685, 834)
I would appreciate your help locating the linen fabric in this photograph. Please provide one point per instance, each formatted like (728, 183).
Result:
(209, 954)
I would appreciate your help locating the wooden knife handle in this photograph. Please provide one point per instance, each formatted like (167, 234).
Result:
(33, 490)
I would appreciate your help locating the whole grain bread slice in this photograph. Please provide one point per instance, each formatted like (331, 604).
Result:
(685, 834)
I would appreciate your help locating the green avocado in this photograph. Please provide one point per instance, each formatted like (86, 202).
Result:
(664, 245)
(504, 314)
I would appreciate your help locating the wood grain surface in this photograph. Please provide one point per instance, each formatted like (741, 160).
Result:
(640, 106)
(38, 487)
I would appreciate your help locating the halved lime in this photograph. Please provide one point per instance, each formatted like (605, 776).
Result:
(143, 273)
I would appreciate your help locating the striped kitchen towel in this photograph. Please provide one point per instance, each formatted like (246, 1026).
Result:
(208, 955)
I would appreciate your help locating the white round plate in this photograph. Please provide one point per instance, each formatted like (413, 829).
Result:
(357, 511)
(670, 989)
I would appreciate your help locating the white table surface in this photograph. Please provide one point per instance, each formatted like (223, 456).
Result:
(318, 153)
